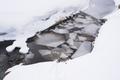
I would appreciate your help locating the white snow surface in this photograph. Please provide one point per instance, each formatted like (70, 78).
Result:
(21, 19)
(102, 64)
(20, 12)
(100, 8)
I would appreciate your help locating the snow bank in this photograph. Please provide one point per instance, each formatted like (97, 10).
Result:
(15, 13)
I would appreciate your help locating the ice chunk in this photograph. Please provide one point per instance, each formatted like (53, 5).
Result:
(50, 39)
(84, 48)
(44, 52)
(61, 31)
(91, 29)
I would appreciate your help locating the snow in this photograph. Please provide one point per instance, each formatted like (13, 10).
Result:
(100, 8)
(117, 2)
(14, 15)
(102, 64)
(17, 12)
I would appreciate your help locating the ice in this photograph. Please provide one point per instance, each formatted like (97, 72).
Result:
(84, 48)
(50, 39)
(61, 31)
(45, 52)
(30, 29)
(21, 16)
(91, 29)
(102, 64)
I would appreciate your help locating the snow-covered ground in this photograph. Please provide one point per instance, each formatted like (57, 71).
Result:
(18, 12)
(102, 64)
